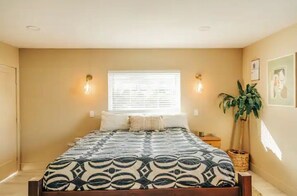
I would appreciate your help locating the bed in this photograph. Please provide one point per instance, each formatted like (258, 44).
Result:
(169, 162)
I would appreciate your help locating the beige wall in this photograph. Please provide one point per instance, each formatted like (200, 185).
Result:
(54, 109)
(280, 121)
(9, 56)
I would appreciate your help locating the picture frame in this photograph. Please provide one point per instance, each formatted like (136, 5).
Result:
(281, 81)
(255, 70)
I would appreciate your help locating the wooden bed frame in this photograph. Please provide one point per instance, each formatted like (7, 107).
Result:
(243, 188)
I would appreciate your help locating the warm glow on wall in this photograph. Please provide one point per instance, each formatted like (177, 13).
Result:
(199, 85)
(268, 141)
(87, 87)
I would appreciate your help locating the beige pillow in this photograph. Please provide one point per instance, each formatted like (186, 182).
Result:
(176, 120)
(111, 121)
(143, 123)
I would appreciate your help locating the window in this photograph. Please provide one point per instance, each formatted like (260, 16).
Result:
(144, 91)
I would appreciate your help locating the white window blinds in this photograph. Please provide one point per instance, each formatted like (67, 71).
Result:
(144, 91)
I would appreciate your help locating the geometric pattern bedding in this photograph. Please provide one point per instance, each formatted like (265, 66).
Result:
(117, 160)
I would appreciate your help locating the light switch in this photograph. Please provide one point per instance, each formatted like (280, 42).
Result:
(92, 114)
(196, 113)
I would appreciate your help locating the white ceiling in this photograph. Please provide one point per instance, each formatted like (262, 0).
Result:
(142, 23)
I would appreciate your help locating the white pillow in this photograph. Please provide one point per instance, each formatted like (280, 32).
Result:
(143, 123)
(176, 120)
(111, 121)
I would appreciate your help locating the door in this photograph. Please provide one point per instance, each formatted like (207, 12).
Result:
(8, 121)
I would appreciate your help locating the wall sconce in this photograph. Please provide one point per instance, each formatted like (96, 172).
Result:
(87, 86)
(199, 85)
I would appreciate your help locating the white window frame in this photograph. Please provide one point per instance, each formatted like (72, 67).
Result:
(154, 111)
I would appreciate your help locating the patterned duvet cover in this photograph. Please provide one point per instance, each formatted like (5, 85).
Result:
(117, 160)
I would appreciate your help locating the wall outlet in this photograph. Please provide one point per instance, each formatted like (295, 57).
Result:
(92, 114)
(196, 112)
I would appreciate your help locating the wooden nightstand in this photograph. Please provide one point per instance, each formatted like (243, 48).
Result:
(212, 140)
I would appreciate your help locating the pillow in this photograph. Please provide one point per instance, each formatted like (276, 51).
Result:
(111, 121)
(144, 123)
(177, 120)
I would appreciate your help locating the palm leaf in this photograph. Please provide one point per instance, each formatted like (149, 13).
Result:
(241, 92)
(249, 101)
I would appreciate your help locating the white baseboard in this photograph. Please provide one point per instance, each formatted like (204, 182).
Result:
(281, 185)
(33, 166)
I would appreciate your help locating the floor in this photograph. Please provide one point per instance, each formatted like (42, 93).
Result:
(17, 185)
(263, 186)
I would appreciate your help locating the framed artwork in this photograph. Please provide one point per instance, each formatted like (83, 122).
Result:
(255, 70)
(282, 81)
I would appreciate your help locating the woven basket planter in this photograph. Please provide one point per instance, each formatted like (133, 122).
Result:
(240, 160)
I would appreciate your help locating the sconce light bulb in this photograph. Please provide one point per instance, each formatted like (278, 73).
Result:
(199, 87)
(87, 86)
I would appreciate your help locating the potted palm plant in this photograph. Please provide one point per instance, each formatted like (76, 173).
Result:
(248, 102)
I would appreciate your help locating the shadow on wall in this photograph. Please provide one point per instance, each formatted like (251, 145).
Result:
(268, 142)
(54, 147)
